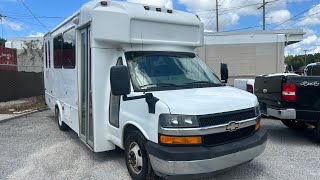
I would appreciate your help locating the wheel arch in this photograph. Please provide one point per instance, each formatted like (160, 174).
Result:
(130, 127)
(59, 107)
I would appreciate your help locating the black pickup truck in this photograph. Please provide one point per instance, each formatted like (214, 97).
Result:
(293, 99)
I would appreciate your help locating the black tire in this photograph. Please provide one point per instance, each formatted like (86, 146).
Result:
(293, 124)
(317, 131)
(136, 140)
(61, 124)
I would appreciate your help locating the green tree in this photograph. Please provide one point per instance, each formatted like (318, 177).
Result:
(2, 42)
(296, 62)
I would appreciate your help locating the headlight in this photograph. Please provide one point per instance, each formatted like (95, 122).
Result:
(257, 110)
(178, 121)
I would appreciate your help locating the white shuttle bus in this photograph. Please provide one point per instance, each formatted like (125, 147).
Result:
(124, 74)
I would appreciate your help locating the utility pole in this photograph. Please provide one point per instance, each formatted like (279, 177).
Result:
(305, 57)
(264, 13)
(217, 15)
(1, 25)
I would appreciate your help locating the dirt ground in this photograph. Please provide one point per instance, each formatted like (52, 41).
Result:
(22, 105)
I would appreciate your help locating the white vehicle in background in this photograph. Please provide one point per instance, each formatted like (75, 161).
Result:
(312, 69)
(123, 74)
(244, 84)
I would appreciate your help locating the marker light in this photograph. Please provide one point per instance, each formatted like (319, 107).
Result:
(258, 125)
(104, 3)
(180, 140)
(146, 7)
(169, 11)
(158, 9)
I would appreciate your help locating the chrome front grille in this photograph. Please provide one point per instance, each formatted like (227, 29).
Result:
(225, 118)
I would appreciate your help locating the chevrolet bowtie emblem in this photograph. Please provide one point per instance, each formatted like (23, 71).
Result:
(233, 126)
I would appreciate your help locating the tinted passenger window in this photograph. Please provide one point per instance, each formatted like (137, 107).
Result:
(57, 51)
(49, 55)
(316, 70)
(69, 49)
(309, 71)
(46, 54)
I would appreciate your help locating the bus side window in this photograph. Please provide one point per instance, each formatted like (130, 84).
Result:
(114, 107)
(49, 55)
(57, 51)
(69, 49)
(46, 54)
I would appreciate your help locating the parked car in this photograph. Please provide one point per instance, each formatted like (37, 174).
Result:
(312, 69)
(293, 99)
(244, 84)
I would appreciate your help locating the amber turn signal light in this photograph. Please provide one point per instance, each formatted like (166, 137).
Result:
(180, 140)
(258, 125)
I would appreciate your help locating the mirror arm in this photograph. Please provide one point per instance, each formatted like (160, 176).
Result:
(126, 98)
(150, 99)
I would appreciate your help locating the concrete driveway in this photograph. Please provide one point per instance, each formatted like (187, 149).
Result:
(32, 147)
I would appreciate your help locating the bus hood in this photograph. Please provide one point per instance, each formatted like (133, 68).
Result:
(203, 101)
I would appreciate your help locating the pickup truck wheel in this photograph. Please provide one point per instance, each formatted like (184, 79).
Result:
(293, 124)
(317, 131)
(136, 156)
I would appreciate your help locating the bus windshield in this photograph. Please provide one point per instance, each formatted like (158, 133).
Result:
(169, 70)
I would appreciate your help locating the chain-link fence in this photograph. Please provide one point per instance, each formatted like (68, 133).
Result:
(21, 73)
(20, 82)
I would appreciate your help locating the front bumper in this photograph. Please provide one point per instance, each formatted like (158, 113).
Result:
(180, 161)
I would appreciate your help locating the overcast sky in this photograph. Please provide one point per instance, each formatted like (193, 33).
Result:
(233, 15)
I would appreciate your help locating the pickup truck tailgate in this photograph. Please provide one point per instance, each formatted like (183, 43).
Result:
(308, 92)
(269, 90)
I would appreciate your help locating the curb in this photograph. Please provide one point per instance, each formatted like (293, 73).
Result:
(23, 114)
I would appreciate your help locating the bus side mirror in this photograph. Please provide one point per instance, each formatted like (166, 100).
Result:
(224, 72)
(120, 80)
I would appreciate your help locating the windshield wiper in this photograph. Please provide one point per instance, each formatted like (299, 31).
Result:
(202, 83)
(158, 85)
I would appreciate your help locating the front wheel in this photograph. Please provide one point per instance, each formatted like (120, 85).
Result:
(136, 156)
(61, 124)
(293, 124)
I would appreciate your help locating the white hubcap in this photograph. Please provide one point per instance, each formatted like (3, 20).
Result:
(135, 158)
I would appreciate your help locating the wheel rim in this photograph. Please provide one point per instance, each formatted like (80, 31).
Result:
(135, 158)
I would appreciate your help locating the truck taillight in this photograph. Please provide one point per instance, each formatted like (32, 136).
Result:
(289, 92)
(250, 88)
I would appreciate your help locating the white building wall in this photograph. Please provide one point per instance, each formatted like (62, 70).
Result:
(28, 59)
(247, 55)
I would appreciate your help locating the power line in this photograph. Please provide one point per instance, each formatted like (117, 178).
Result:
(24, 21)
(10, 27)
(304, 18)
(295, 16)
(34, 15)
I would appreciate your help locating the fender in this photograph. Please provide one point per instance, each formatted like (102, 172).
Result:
(135, 125)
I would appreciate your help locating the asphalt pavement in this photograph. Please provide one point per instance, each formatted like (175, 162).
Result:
(33, 147)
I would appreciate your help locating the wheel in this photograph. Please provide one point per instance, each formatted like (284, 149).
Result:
(317, 131)
(293, 124)
(61, 124)
(136, 157)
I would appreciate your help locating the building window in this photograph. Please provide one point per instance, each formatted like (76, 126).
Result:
(69, 49)
(57, 51)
